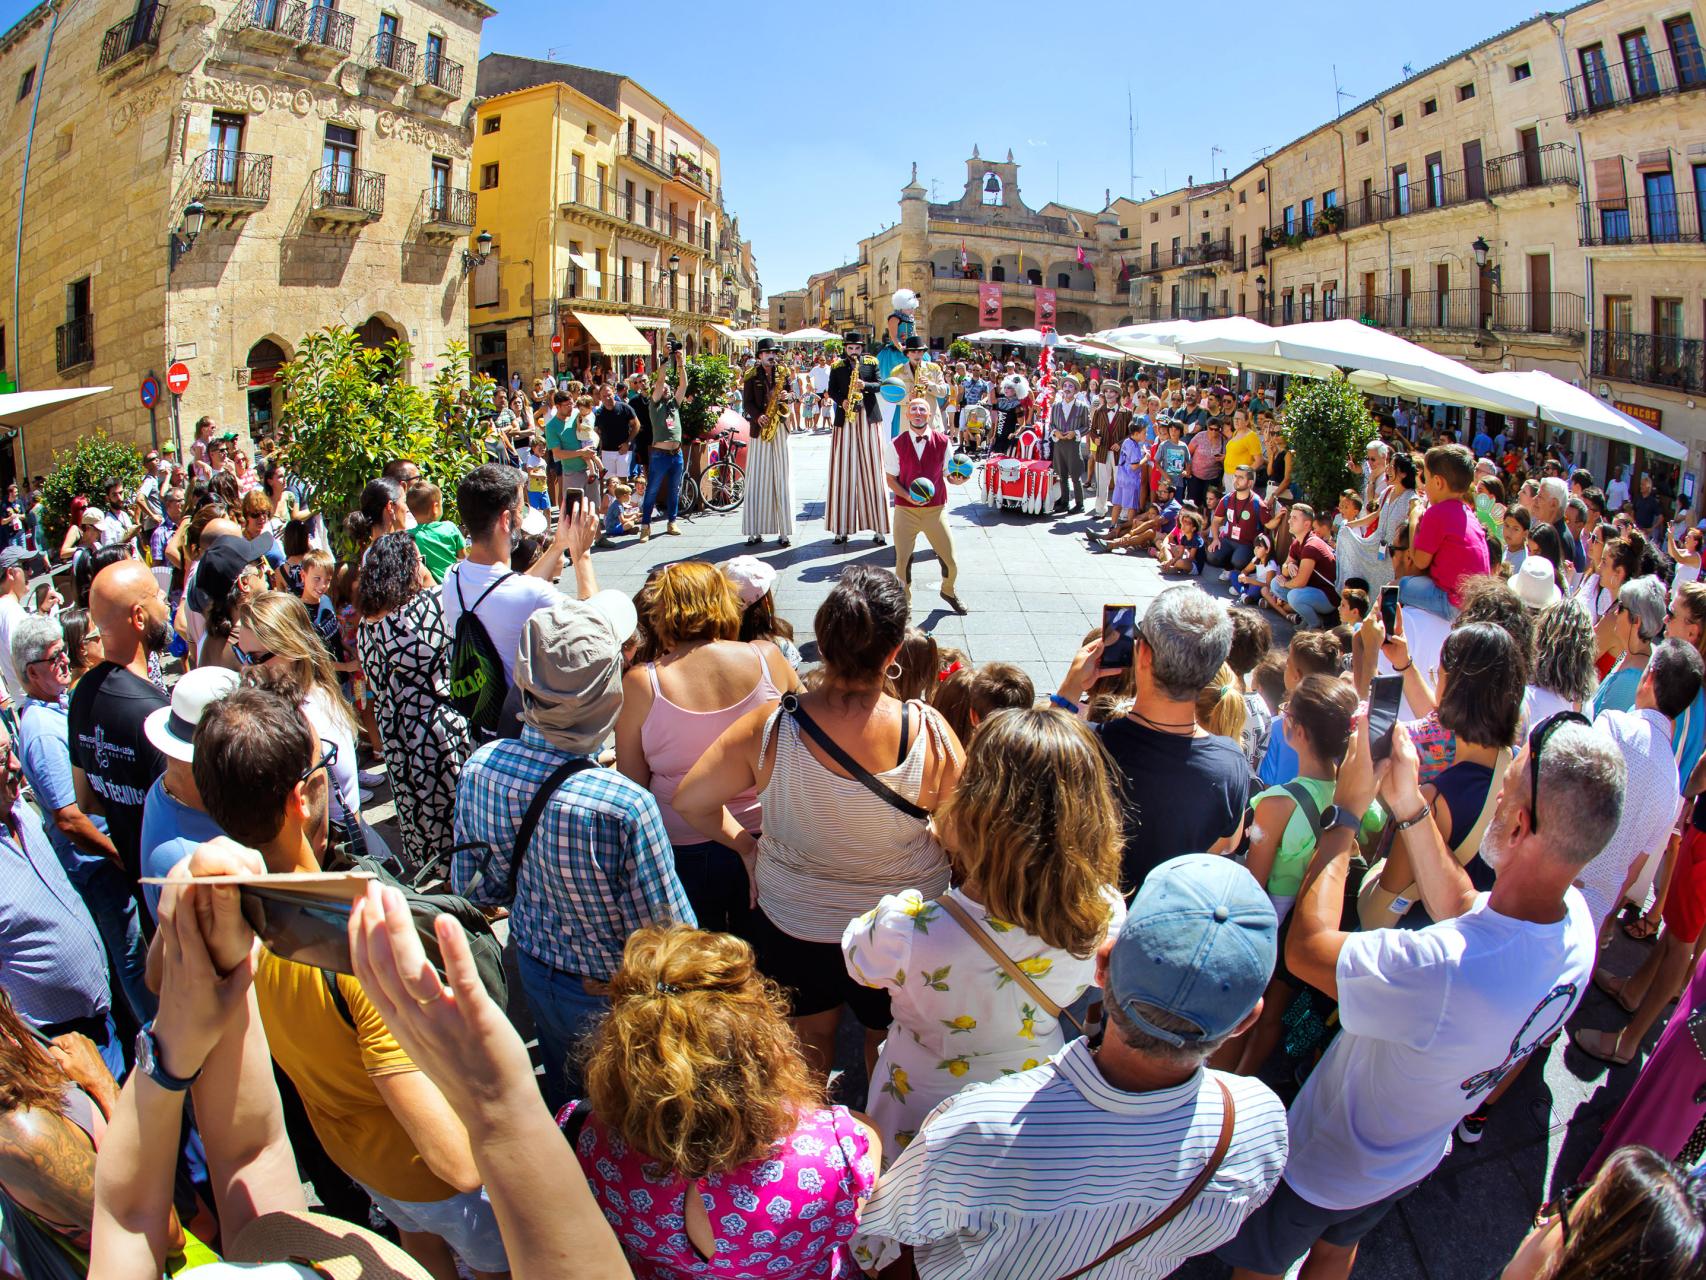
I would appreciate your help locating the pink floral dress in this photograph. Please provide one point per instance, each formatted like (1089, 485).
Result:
(789, 1215)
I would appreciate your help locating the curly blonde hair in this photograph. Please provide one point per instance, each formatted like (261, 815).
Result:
(1035, 826)
(697, 1065)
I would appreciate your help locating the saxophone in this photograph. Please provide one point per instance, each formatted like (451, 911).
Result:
(774, 411)
(855, 402)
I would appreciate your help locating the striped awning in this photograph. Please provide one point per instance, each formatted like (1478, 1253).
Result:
(614, 335)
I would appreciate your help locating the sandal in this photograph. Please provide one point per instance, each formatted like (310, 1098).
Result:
(1589, 1042)
(1640, 928)
(1612, 988)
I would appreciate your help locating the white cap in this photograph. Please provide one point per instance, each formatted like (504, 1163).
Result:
(1536, 582)
(172, 728)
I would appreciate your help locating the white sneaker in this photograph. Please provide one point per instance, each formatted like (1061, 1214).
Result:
(1226, 575)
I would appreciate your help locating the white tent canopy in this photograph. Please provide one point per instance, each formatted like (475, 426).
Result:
(733, 335)
(758, 332)
(19, 408)
(1555, 401)
(986, 335)
(809, 334)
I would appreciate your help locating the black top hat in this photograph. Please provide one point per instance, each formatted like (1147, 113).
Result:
(765, 344)
(913, 343)
(853, 335)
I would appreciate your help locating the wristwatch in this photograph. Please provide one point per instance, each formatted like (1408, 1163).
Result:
(148, 1062)
(1335, 815)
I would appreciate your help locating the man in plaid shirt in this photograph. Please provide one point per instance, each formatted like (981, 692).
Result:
(599, 865)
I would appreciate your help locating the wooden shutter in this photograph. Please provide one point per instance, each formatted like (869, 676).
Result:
(1608, 185)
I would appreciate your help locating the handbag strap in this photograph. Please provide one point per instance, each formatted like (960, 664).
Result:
(535, 811)
(1227, 1117)
(873, 784)
(980, 935)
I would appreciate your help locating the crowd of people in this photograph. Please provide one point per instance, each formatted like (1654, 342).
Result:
(1198, 953)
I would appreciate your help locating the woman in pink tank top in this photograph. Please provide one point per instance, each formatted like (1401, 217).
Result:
(675, 708)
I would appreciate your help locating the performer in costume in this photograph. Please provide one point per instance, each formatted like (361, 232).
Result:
(901, 326)
(856, 491)
(920, 377)
(769, 505)
(921, 453)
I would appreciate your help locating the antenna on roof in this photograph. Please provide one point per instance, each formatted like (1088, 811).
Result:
(554, 50)
(1130, 142)
(1409, 70)
(1339, 94)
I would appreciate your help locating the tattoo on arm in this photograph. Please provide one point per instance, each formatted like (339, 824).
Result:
(47, 1165)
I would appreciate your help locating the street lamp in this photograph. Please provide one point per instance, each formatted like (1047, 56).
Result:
(195, 215)
(483, 251)
(1261, 294)
(674, 266)
(1481, 249)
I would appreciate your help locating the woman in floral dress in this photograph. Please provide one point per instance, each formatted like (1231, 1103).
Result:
(704, 1135)
(404, 648)
(1033, 836)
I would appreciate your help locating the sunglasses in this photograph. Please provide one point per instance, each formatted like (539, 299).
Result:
(248, 659)
(325, 762)
(1537, 739)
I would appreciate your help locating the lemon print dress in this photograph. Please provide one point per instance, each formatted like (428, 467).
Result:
(958, 1018)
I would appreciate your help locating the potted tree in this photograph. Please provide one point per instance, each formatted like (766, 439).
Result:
(1328, 427)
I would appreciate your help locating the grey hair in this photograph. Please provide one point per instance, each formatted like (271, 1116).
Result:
(1555, 488)
(31, 639)
(1377, 447)
(1563, 651)
(1646, 601)
(1183, 1056)
(1582, 776)
(1189, 634)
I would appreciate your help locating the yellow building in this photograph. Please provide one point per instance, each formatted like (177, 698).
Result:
(321, 153)
(607, 215)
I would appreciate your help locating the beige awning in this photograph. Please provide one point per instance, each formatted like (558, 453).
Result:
(648, 322)
(583, 261)
(614, 335)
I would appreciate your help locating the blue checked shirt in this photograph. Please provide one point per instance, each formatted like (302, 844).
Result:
(52, 962)
(599, 866)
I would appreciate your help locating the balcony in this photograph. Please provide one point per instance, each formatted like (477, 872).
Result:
(1658, 74)
(1201, 254)
(1551, 165)
(688, 171)
(274, 26)
(650, 154)
(1160, 312)
(441, 79)
(1556, 315)
(325, 35)
(74, 342)
(132, 40)
(447, 211)
(1651, 359)
(390, 60)
(345, 194)
(1654, 220)
(232, 181)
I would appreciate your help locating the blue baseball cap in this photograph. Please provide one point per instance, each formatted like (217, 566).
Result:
(1199, 942)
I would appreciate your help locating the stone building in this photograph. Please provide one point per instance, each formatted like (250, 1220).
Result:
(1531, 203)
(786, 310)
(322, 150)
(945, 251)
(607, 218)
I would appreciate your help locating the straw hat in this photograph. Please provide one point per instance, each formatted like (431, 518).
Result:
(333, 1247)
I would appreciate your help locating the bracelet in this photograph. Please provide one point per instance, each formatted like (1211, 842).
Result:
(1065, 704)
(1401, 670)
(1407, 823)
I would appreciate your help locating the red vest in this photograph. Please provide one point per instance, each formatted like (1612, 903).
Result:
(929, 466)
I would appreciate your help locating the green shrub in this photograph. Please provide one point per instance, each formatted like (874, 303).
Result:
(1328, 427)
(84, 469)
(709, 378)
(960, 349)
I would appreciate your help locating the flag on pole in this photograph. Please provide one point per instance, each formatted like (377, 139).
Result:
(1081, 258)
(963, 259)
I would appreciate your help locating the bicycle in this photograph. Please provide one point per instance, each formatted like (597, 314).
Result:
(721, 485)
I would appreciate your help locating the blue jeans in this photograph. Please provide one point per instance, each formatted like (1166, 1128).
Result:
(1424, 593)
(563, 1012)
(466, 1222)
(113, 908)
(663, 476)
(1312, 605)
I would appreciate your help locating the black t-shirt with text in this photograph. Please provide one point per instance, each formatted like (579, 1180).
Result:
(104, 723)
(613, 423)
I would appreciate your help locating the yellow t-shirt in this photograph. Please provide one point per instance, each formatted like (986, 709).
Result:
(1242, 451)
(334, 1068)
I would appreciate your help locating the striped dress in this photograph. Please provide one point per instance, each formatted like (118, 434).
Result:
(858, 498)
(769, 506)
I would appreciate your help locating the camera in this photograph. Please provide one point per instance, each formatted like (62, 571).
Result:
(674, 345)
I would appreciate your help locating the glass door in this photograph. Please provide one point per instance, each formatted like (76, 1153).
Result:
(1663, 224)
(1596, 76)
(226, 135)
(337, 160)
(385, 47)
(1638, 64)
(1685, 58)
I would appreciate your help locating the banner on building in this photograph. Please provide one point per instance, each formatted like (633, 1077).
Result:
(989, 305)
(1045, 309)
(1654, 418)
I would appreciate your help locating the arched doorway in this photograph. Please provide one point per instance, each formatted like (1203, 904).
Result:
(375, 332)
(264, 361)
(948, 320)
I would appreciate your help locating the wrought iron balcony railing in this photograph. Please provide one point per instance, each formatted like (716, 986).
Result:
(1656, 74)
(74, 342)
(1554, 163)
(1655, 360)
(344, 193)
(230, 180)
(1649, 219)
(140, 31)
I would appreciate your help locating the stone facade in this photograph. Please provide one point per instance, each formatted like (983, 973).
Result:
(331, 160)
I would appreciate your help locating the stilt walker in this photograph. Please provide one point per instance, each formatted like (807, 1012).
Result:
(856, 491)
(769, 505)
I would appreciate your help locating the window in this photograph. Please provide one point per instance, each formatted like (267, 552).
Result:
(1308, 220)
(1685, 51)
(1329, 199)
(26, 82)
(225, 141)
(385, 49)
(441, 184)
(337, 158)
(1241, 196)
(598, 270)
(1401, 190)
(1123, 231)
(1429, 106)
(1289, 219)
(591, 131)
(1175, 212)
(1397, 119)
(1330, 300)
(491, 124)
(434, 69)
(1063, 280)
(1261, 185)
(1466, 91)
(1155, 215)
(1308, 302)
(1638, 65)
(1362, 136)
(488, 176)
(626, 277)
(1520, 71)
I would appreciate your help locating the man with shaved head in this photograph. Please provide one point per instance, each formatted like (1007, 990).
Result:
(113, 763)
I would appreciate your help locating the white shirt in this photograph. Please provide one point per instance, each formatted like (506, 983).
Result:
(113, 526)
(505, 612)
(1616, 494)
(1032, 1176)
(11, 613)
(1651, 799)
(820, 378)
(1433, 1019)
(891, 459)
(331, 728)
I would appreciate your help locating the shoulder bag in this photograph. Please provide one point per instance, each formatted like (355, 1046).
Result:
(979, 935)
(871, 783)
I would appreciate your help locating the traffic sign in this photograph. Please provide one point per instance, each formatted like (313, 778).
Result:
(150, 391)
(178, 378)
(556, 344)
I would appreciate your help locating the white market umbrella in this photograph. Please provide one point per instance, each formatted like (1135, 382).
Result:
(809, 334)
(20, 408)
(1557, 402)
(985, 335)
(1025, 337)
(1372, 359)
(756, 333)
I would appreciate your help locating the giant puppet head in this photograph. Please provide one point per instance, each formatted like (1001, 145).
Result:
(905, 302)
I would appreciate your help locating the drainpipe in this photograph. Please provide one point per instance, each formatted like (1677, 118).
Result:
(1386, 165)
(18, 240)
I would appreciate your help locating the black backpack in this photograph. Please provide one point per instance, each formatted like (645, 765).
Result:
(477, 684)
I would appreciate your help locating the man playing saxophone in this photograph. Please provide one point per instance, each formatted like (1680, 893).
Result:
(769, 505)
(856, 489)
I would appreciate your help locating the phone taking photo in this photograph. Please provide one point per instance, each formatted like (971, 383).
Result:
(1389, 608)
(1119, 637)
(1383, 699)
(572, 496)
